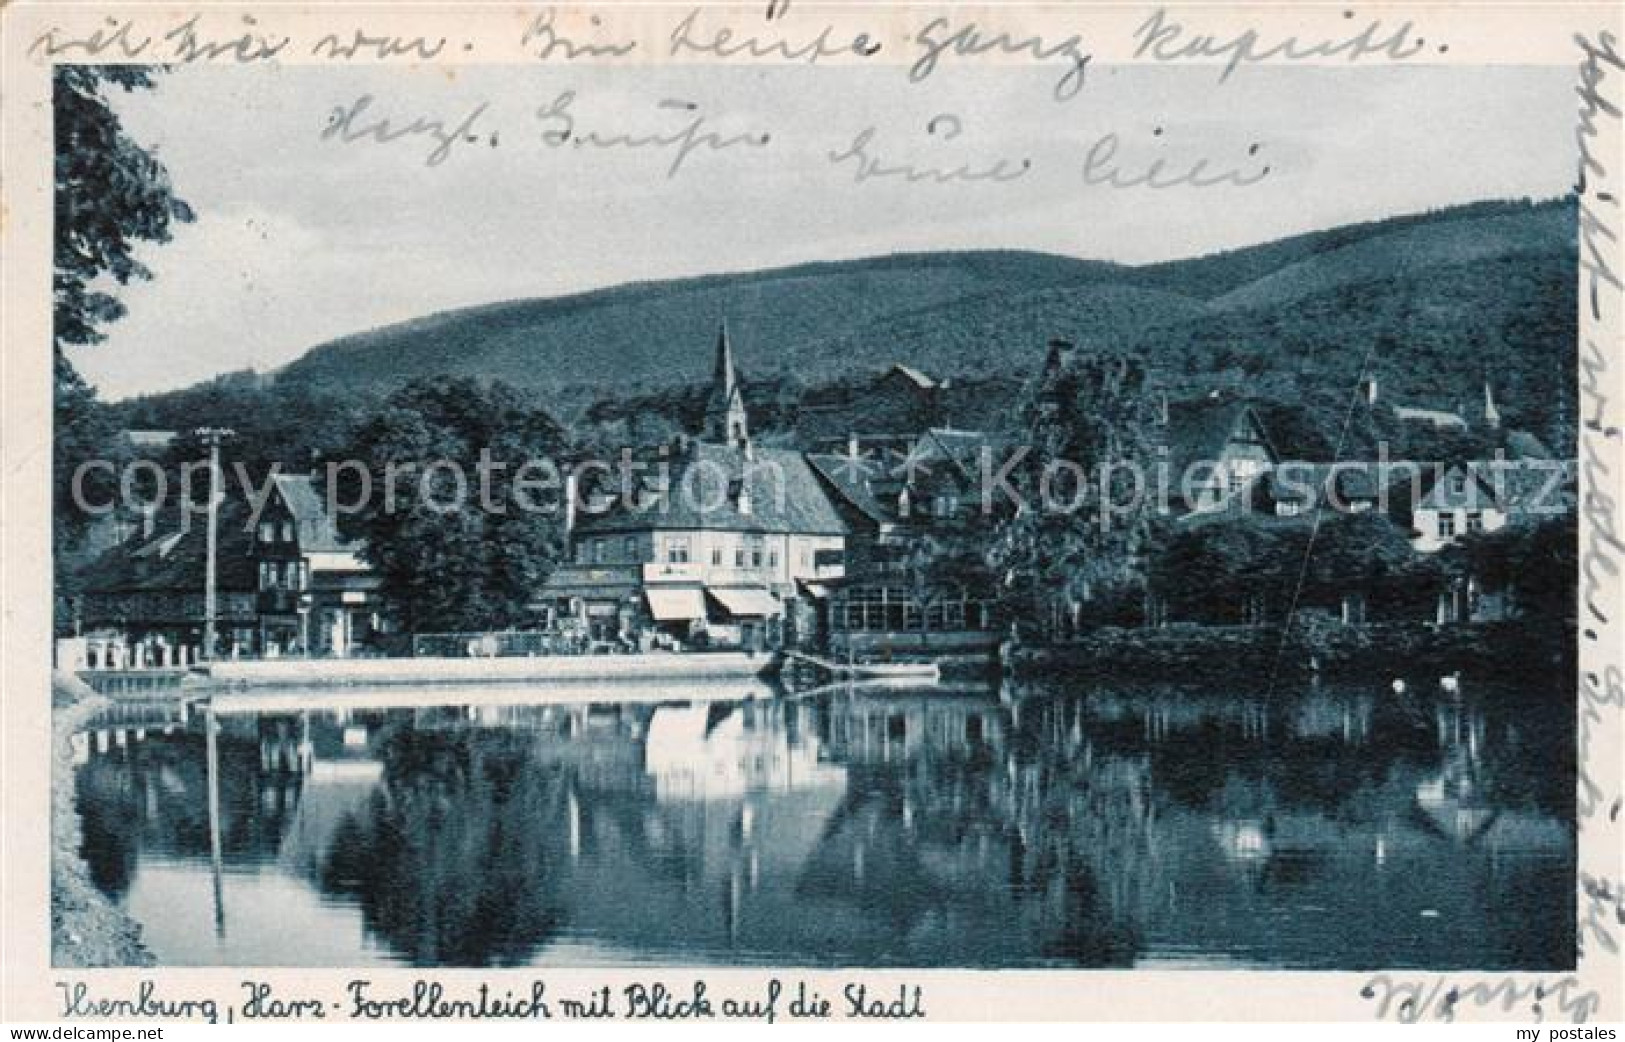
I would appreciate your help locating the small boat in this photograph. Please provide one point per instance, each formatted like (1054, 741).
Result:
(887, 670)
(874, 670)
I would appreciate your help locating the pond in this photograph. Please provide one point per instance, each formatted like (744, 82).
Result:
(1056, 825)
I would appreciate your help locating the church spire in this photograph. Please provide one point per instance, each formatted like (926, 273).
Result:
(1492, 415)
(725, 419)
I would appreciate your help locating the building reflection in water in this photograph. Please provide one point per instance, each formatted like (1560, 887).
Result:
(1034, 826)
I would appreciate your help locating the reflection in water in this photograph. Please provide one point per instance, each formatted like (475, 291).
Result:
(1028, 827)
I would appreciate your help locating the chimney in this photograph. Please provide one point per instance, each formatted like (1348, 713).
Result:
(852, 447)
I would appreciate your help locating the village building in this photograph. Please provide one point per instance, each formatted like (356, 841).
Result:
(1440, 505)
(712, 543)
(143, 601)
(316, 593)
(1215, 449)
(285, 582)
(888, 413)
(904, 511)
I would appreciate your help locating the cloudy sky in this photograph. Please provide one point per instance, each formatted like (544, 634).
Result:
(301, 238)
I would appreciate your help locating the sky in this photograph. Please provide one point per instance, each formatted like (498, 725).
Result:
(301, 238)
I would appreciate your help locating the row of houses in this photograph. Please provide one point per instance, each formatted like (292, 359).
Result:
(735, 543)
(722, 540)
(286, 583)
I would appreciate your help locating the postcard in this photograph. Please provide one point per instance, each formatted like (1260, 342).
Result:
(793, 512)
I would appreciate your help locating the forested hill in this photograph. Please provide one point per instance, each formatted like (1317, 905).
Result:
(1433, 302)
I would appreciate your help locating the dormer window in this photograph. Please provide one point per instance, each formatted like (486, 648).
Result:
(267, 532)
(287, 531)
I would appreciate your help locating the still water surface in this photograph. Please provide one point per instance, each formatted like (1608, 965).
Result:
(1327, 827)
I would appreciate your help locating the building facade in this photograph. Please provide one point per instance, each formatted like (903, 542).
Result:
(710, 543)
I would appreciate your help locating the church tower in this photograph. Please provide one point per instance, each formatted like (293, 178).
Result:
(725, 410)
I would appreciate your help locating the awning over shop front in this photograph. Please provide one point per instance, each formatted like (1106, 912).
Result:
(745, 603)
(675, 605)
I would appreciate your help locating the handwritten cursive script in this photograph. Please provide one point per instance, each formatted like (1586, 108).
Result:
(356, 122)
(1162, 39)
(559, 128)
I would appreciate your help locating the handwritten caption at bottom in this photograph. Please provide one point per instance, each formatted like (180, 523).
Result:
(769, 1001)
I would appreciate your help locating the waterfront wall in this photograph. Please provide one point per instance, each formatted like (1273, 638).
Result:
(373, 672)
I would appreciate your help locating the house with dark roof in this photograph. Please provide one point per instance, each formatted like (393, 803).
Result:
(1215, 449)
(890, 411)
(316, 592)
(1441, 504)
(713, 536)
(900, 508)
(149, 589)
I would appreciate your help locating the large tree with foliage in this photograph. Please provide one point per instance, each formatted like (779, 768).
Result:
(111, 196)
(447, 560)
(1081, 526)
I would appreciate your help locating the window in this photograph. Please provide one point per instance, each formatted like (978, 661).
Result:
(629, 549)
(739, 557)
(772, 558)
(267, 532)
(287, 531)
(756, 556)
(1447, 526)
(1475, 521)
(597, 551)
(716, 557)
(677, 551)
(581, 553)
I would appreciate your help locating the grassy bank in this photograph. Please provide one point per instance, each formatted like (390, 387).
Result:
(86, 928)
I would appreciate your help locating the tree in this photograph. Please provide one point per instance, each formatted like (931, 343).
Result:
(1230, 570)
(451, 555)
(110, 196)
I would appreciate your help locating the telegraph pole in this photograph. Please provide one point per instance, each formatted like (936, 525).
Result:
(212, 437)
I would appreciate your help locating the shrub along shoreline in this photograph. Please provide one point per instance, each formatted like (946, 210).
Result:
(1503, 649)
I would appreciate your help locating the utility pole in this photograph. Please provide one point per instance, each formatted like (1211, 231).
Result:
(212, 437)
